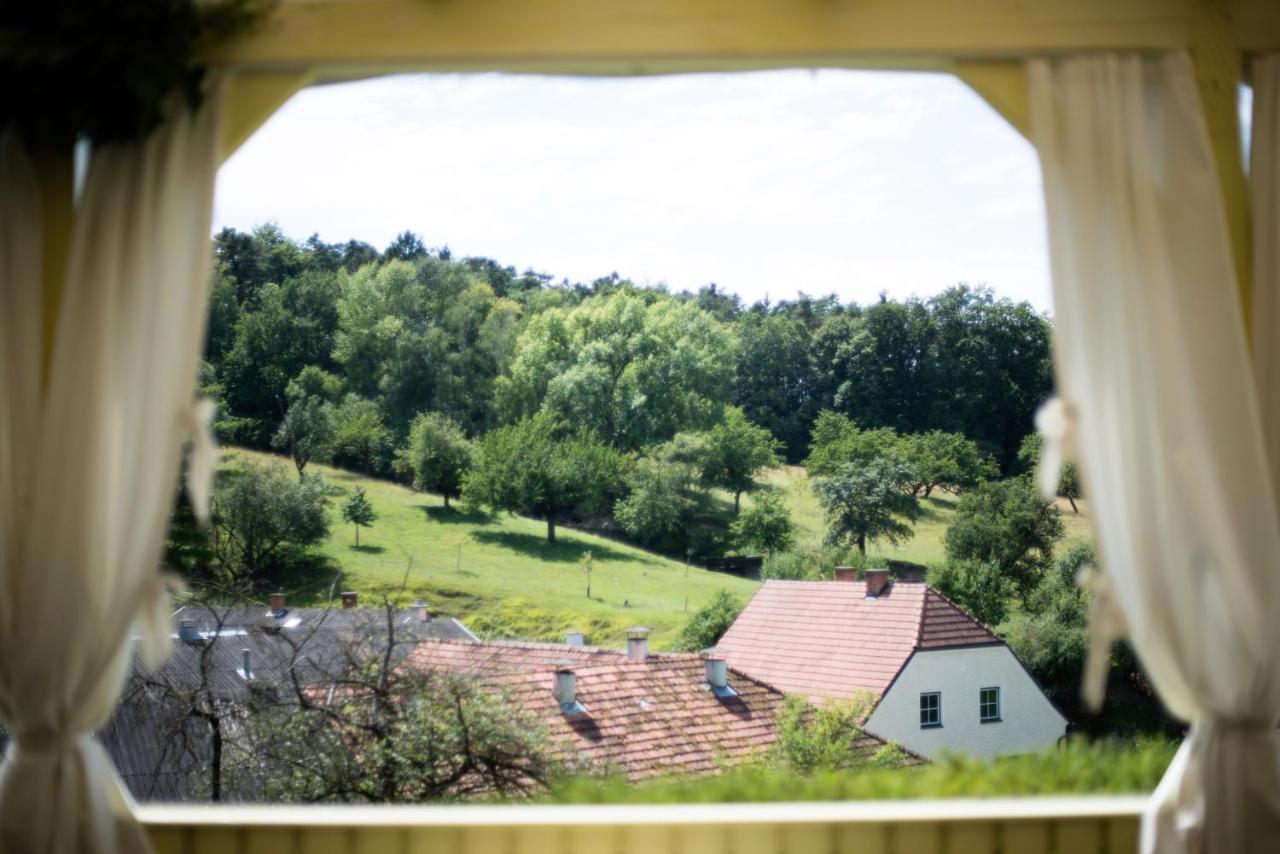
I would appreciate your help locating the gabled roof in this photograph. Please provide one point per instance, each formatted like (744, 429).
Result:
(826, 639)
(642, 719)
(160, 754)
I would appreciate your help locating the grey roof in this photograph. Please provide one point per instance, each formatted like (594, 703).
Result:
(160, 751)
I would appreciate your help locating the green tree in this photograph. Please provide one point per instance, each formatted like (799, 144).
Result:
(1006, 525)
(660, 506)
(825, 738)
(765, 527)
(736, 452)
(868, 503)
(438, 454)
(358, 511)
(262, 519)
(306, 432)
(836, 441)
(708, 624)
(533, 467)
(635, 368)
(946, 460)
(1068, 478)
(775, 380)
(978, 586)
(361, 439)
(1049, 634)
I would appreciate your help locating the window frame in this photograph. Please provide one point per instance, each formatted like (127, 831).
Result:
(999, 706)
(937, 710)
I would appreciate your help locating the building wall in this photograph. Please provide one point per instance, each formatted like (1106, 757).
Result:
(1028, 722)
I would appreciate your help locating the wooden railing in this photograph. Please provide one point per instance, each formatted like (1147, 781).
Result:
(1074, 825)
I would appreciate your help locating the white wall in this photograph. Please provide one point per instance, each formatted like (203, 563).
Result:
(1028, 720)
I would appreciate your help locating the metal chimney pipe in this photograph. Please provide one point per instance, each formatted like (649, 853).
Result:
(717, 671)
(420, 611)
(565, 687)
(637, 643)
(247, 668)
(187, 631)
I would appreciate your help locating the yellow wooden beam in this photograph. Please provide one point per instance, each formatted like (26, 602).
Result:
(252, 98)
(1003, 85)
(621, 36)
(1219, 68)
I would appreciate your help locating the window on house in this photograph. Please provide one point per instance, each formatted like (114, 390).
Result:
(930, 709)
(989, 705)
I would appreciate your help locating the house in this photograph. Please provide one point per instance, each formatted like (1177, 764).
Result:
(940, 679)
(161, 736)
(638, 713)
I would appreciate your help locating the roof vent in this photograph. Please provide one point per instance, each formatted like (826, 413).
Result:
(637, 643)
(420, 612)
(718, 676)
(565, 690)
(188, 632)
(575, 639)
(845, 573)
(877, 581)
(350, 599)
(246, 666)
(277, 605)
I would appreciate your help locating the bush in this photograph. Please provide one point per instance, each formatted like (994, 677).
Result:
(708, 623)
(1080, 766)
(812, 738)
(811, 564)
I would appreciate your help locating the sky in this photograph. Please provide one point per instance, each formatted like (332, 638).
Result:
(766, 183)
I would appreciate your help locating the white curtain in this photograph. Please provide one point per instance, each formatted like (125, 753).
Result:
(1264, 178)
(1154, 371)
(88, 464)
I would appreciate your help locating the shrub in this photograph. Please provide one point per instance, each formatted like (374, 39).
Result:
(706, 625)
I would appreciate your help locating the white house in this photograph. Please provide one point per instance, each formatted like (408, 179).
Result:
(940, 679)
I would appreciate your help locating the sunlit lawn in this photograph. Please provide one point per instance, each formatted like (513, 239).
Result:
(499, 575)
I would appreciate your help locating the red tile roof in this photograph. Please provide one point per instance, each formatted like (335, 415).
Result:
(643, 719)
(826, 639)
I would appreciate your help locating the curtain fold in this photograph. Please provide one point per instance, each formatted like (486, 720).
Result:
(1152, 361)
(88, 464)
(1264, 179)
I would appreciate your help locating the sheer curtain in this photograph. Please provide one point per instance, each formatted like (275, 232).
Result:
(1264, 177)
(1159, 403)
(88, 464)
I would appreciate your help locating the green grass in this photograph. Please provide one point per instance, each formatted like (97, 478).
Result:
(1078, 767)
(925, 547)
(499, 575)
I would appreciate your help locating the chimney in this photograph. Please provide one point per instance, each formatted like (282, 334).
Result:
(575, 639)
(349, 599)
(877, 581)
(420, 611)
(637, 643)
(846, 573)
(717, 671)
(565, 688)
(246, 669)
(187, 631)
(277, 604)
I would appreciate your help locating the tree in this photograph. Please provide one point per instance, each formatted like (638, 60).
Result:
(867, 503)
(1005, 524)
(660, 506)
(262, 519)
(361, 440)
(371, 730)
(359, 512)
(438, 454)
(1050, 633)
(978, 586)
(587, 565)
(827, 737)
(534, 467)
(1068, 478)
(837, 441)
(736, 451)
(764, 527)
(775, 380)
(306, 431)
(708, 624)
(946, 460)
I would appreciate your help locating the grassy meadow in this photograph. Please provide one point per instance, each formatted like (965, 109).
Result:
(499, 575)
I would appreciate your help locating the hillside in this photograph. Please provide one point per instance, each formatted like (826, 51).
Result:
(926, 546)
(498, 574)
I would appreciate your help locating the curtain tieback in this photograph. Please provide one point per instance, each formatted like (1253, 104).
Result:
(197, 418)
(45, 740)
(1056, 423)
(1107, 624)
(1236, 726)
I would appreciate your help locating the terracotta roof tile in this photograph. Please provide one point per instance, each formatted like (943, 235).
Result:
(826, 639)
(643, 719)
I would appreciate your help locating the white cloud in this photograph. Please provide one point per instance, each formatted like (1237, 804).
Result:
(770, 182)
